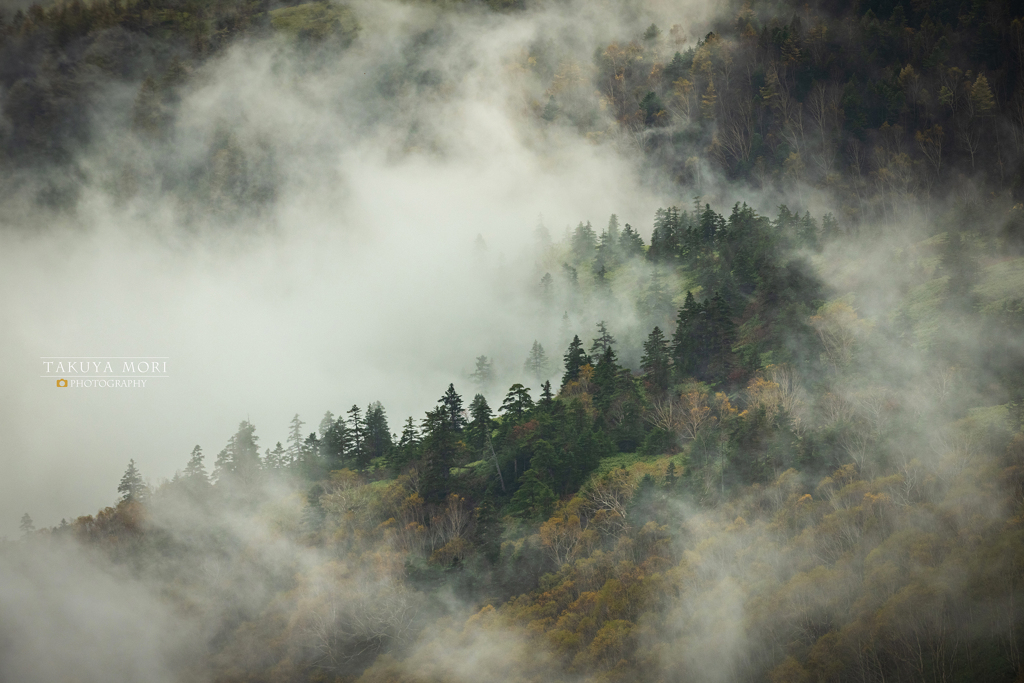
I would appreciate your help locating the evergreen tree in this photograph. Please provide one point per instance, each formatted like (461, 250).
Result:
(325, 424)
(132, 488)
(452, 404)
(575, 358)
(334, 444)
(195, 470)
(295, 438)
(239, 462)
(480, 424)
(721, 337)
(310, 463)
(603, 341)
(547, 397)
(630, 243)
(27, 526)
(378, 434)
(656, 303)
(689, 339)
(547, 288)
(275, 460)
(583, 242)
(656, 361)
(606, 378)
(517, 403)
(408, 445)
(613, 230)
(534, 499)
(440, 450)
(536, 363)
(483, 376)
(356, 434)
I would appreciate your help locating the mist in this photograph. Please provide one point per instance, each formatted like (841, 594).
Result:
(343, 290)
(334, 205)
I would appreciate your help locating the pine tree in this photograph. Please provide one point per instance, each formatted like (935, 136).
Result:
(630, 243)
(547, 397)
(480, 424)
(536, 363)
(239, 462)
(534, 499)
(583, 242)
(378, 434)
(452, 404)
(603, 341)
(27, 526)
(547, 288)
(356, 433)
(688, 341)
(575, 358)
(334, 444)
(483, 376)
(656, 361)
(656, 303)
(440, 449)
(132, 488)
(310, 464)
(606, 378)
(517, 403)
(295, 438)
(408, 446)
(325, 424)
(721, 337)
(195, 470)
(275, 460)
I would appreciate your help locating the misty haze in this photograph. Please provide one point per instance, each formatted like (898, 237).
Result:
(518, 340)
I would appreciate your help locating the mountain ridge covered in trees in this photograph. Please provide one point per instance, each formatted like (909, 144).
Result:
(759, 446)
(601, 523)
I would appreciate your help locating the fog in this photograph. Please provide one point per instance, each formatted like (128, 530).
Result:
(314, 225)
(359, 282)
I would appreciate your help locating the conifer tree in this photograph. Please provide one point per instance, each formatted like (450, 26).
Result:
(656, 361)
(325, 424)
(295, 438)
(334, 444)
(27, 526)
(440, 450)
(575, 358)
(132, 488)
(536, 364)
(408, 445)
(517, 402)
(603, 341)
(483, 375)
(452, 404)
(480, 424)
(583, 242)
(356, 433)
(606, 378)
(630, 243)
(195, 470)
(378, 434)
(547, 397)
(547, 288)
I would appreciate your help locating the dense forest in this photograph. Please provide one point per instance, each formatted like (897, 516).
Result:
(753, 445)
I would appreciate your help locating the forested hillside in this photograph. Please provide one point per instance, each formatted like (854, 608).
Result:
(752, 444)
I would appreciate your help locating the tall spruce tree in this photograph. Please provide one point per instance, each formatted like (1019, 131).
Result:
(536, 364)
(656, 362)
(517, 403)
(575, 358)
(132, 488)
(452, 404)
